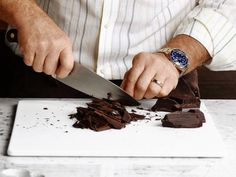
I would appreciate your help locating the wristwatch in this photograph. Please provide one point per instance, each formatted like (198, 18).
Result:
(177, 57)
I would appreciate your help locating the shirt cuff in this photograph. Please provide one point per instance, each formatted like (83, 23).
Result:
(214, 31)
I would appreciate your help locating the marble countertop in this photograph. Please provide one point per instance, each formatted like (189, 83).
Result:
(224, 115)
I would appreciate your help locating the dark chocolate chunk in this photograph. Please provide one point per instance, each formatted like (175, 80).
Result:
(178, 119)
(199, 114)
(135, 117)
(166, 104)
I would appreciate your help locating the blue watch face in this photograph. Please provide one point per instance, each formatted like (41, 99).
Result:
(179, 58)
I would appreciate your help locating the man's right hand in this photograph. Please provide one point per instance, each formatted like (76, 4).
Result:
(43, 44)
(45, 47)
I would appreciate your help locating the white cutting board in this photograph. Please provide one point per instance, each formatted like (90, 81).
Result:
(43, 128)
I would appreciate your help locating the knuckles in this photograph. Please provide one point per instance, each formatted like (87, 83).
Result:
(163, 93)
(140, 57)
(68, 65)
(140, 87)
(37, 69)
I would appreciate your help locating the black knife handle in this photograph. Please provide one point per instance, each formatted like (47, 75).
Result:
(11, 35)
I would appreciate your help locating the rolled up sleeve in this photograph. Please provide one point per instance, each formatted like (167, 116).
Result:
(213, 24)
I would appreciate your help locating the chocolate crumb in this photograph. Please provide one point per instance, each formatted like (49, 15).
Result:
(140, 108)
(109, 96)
(133, 110)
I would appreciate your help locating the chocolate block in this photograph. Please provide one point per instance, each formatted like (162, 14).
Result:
(178, 119)
(199, 114)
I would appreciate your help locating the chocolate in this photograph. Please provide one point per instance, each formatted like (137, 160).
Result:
(178, 119)
(199, 114)
(166, 104)
(186, 95)
(103, 114)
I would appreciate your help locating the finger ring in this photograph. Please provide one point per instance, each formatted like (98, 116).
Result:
(159, 83)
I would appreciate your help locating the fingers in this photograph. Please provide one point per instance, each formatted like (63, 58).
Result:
(155, 90)
(138, 81)
(46, 47)
(66, 63)
(39, 60)
(51, 63)
(130, 80)
(168, 86)
(29, 56)
(131, 77)
(143, 82)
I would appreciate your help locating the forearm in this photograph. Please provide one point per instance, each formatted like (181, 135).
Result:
(19, 13)
(195, 51)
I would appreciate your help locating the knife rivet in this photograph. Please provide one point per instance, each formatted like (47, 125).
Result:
(12, 35)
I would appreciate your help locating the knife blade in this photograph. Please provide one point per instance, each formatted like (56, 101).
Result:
(84, 80)
(87, 81)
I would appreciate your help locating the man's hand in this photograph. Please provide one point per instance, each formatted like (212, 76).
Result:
(43, 44)
(138, 81)
(45, 47)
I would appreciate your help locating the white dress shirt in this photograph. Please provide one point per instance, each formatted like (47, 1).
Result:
(107, 34)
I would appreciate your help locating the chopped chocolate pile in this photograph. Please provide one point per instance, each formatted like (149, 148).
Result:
(178, 119)
(103, 114)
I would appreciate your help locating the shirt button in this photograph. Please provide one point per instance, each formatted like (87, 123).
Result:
(109, 24)
(106, 26)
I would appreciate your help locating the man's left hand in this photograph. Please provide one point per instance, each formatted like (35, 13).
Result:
(147, 68)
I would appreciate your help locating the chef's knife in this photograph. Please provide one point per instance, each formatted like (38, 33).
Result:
(86, 81)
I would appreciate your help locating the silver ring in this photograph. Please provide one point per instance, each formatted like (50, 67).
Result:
(159, 83)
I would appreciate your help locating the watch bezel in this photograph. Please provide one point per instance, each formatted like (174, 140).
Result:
(179, 58)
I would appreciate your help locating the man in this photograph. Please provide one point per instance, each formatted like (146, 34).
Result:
(130, 39)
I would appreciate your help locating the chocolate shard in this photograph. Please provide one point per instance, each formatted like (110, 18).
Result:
(135, 117)
(166, 104)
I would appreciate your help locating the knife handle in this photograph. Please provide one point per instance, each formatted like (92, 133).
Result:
(11, 35)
